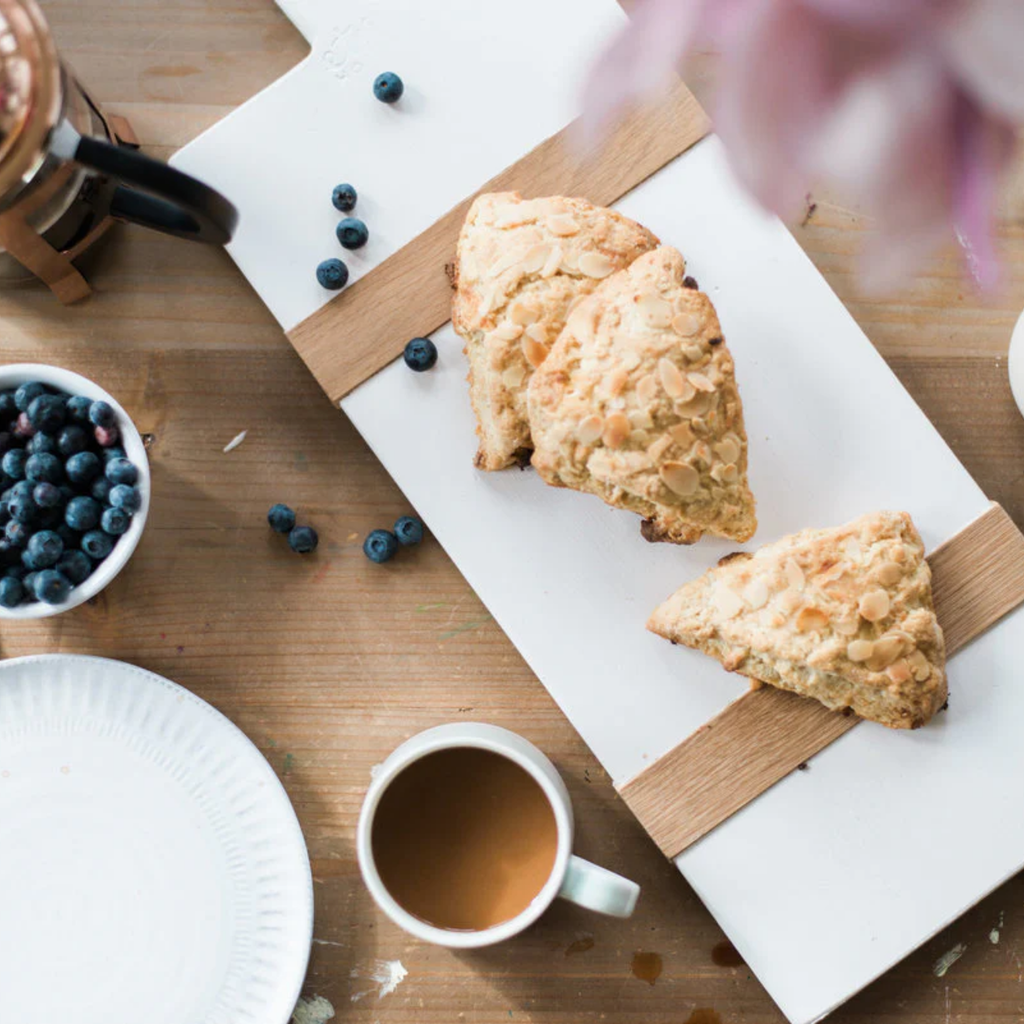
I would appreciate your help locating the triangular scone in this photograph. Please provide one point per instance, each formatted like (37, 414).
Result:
(842, 615)
(637, 403)
(519, 267)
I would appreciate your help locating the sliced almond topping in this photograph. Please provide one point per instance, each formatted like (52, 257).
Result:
(646, 389)
(505, 332)
(630, 359)
(680, 478)
(682, 434)
(616, 381)
(595, 264)
(886, 651)
(640, 438)
(726, 601)
(874, 605)
(513, 215)
(523, 313)
(701, 453)
(534, 351)
(671, 379)
(859, 650)
(889, 574)
(756, 594)
(571, 262)
(659, 446)
(853, 550)
(846, 627)
(727, 473)
(693, 407)
(728, 450)
(513, 376)
(788, 601)
(552, 263)
(641, 419)
(919, 665)
(655, 311)
(535, 259)
(616, 429)
(692, 351)
(506, 262)
(590, 430)
(582, 323)
(700, 381)
(562, 224)
(810, 620)
(899, 672)
(685, 324)
(794, 574)
(488, 296)
(539, 332)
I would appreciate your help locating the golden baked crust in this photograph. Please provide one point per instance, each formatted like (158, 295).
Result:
(637, 403)
(843, 615)
(520, 265)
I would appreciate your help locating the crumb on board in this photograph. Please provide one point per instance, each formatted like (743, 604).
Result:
(948, 958)
(313, 1011)
(235, 442)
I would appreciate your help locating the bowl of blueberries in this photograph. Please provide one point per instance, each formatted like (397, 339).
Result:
(74, 490)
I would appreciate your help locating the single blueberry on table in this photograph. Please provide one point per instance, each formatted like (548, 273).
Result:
(17, 533)
(82, 467)
(106, 436)
(24, 395)
(41, 444)
(115, 521)
(420, 354)
(44, 467)
(97, 544)
(47, 413)
(408, 530)
(82, 513)
(332, 274)
(344, 198)
(352, 233)
(13, 463)
(120, 471)
(12, 593)
(100, 490)
(51, 586)
(101, 414)
(281, 518)
(388, 87)
(303, 540)
(8, 407)
(43, 550)
(78, 409)
(76, 565)
(126, 497)
(380, 545)
(47, 495)
(71, 440)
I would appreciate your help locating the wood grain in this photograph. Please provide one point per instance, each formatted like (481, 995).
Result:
(757, 740)
(347, 340)
(329, 663)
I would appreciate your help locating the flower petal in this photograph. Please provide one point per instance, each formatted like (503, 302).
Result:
(876, 15)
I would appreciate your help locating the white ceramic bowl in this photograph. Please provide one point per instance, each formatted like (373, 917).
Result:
(75, 384)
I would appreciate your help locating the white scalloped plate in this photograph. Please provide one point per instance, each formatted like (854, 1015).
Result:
(151, 865)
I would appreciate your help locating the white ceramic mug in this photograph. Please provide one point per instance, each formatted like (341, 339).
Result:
(571, 878)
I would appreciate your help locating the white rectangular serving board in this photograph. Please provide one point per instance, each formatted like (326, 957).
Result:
(834, 874)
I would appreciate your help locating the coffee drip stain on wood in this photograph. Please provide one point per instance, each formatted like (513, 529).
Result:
(725, 954)
(647, 966)
(580, 945)
(704, 1015)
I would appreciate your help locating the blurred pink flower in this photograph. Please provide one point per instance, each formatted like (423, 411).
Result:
(911, 103)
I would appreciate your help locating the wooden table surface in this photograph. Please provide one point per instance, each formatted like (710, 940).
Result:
(329, 662)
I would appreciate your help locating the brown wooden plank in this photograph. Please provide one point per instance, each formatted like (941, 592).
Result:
(978, 576)
(349, 339)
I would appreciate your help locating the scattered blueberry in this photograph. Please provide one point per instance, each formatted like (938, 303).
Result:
(408, 530)
(70, 441)
(303, 539)
(47, 495)
(332, 274)
(344, 198)
(420, 354)
(83, 513)
(126, 497)
(97, 544)
(47, 413)
(82, 467)
(352, 233)
(44, 467)
(100, 490)
(78, 409)
(281, 518)
(76, 565)
(120, 471)
(8, 407)
(388, 87)
(24, 395)
(380, 545)
(51, 586)
(12, 593)
(106, 436)
(43, 550)
(115, 521)
(17, 533)
(41, 444)
(101, 414)
(13, 463)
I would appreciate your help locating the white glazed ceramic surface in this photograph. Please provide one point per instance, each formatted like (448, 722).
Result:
(571, 877)
(75, 384)
(151, 868)
(1016, 363)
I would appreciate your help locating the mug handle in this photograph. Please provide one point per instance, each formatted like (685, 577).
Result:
(597, 888)
(152, 193)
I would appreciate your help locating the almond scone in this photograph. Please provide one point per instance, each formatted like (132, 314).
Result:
(520, 265)
(637, 403)
(842, 615)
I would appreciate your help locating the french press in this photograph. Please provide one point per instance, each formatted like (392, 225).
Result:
(67, 170)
